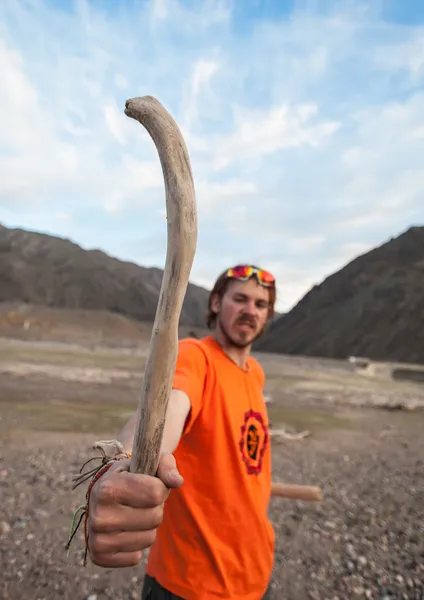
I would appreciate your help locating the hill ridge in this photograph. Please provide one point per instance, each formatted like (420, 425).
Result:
(373, 306)
(39, 268)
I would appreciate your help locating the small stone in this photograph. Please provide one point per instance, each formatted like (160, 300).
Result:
(358, 590)
(350, 566)
(399, 578)
(362, 561)
(368, 594)
(350, 550)
(4, 527)
(30, 536)
(92, 597)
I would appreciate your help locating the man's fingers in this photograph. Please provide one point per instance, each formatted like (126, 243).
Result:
(127, 541)
(168, 471)
(117, 561)
(130, 489)
(124, 518)
(124, 511)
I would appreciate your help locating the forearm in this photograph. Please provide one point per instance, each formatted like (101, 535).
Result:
(126, 435)
(176, 415)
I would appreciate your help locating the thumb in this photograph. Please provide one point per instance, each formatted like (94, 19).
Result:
(168, 471)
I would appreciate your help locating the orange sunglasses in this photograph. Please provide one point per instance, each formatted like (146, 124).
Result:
(245, 272)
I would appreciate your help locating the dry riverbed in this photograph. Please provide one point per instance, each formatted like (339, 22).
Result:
(365, 540)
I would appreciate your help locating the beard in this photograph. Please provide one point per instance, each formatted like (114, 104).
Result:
(246, 338)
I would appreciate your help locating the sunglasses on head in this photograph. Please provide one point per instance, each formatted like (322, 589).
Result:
(245, 272)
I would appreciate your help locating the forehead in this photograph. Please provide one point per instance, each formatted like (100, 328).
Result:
(250, 288)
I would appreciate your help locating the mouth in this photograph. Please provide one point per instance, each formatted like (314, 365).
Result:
(245, 326)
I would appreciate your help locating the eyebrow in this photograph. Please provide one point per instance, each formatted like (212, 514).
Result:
(246, 297)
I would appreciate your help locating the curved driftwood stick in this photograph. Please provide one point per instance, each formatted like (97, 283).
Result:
(182, 239)
(296, 492)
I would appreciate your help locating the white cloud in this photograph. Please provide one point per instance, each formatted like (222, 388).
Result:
(404, 55)
(260, 133)
(211, 193)
(203, 71)
(116, 123)
(61, 216)
(160, 9)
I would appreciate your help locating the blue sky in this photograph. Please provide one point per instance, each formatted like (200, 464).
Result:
(304, 122)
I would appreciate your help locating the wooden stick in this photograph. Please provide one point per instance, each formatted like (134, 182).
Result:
(296, 492)
(182, 240)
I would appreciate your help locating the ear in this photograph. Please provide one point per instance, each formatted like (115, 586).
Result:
(215, 303)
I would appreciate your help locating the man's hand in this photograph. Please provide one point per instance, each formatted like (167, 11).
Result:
(125, 511)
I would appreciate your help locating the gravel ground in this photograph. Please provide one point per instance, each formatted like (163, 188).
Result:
(365, 540)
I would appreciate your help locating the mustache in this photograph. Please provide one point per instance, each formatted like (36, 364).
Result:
(246, 320)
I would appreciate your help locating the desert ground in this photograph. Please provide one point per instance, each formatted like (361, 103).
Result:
(364, 540)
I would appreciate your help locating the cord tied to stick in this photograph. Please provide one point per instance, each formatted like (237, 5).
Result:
(111, 451)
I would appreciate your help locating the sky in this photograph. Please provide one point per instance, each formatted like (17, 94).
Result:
(304, 121)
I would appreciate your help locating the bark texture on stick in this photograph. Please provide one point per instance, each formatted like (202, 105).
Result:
(181, 246)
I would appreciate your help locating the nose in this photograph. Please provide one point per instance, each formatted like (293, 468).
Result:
(250, 308)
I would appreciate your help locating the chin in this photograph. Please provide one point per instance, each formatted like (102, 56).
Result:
(246, 338)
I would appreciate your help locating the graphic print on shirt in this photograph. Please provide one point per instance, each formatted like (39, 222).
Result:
(253, 441)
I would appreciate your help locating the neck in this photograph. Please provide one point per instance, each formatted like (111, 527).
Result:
(236, 354)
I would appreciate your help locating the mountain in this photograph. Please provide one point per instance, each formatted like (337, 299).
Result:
(40, 269)
(373, 307)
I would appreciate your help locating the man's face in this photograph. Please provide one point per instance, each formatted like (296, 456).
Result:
(242, 312)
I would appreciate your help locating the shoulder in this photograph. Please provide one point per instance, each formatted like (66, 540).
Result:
(193, 349)
(257, 370)
(192, 345)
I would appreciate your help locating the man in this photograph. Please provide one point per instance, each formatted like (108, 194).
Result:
(210, 537)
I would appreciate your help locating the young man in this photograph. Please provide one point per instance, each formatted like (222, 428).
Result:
(210, 537)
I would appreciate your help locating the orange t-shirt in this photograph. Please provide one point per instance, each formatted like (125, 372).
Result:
(215, 540)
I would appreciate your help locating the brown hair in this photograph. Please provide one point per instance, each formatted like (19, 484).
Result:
(220, 287)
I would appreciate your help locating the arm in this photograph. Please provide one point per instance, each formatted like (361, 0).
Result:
(176, 415)
(126, 508)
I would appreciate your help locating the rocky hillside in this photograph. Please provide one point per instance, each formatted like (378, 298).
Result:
(372, 307)
(40, 269)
